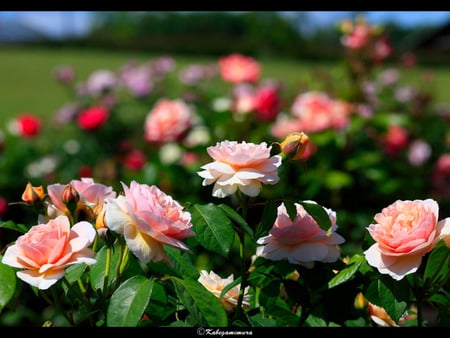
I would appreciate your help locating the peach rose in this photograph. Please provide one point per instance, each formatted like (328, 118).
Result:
(169, 120)
(404, 232)
(148, 219)
(237, 68)
(215, 284)
(300, 241)
(46, 250)
(240, 165)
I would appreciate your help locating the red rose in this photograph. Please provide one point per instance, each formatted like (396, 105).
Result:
(92, 118)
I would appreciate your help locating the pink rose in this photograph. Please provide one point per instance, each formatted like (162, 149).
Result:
(46, 250)
(215, 284)
(240, 165)
(300, 241)
(317, 111)
(91, 194)
(168, 121)
(404, 232)
(148, 219)
(237, 68)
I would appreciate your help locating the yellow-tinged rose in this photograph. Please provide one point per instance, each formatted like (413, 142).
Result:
(33, 194)
(294, 145)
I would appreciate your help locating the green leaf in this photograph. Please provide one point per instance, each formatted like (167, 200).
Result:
(99, 270)
(75, 271)
(129, 301)
(232, 214)
(182, 263)
(390, 294)
(8, 281)
(347, 273)
(13, 226)
(212, 228)
(200, 303)
(437, 267)
(267, 219)
(318, 213)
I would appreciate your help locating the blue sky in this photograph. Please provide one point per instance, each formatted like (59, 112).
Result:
(60, 24)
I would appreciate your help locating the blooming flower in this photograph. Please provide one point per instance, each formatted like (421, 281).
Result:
(169, 120)
(317, 111)
(100, 82)
(215, 284)
(240, 165)
(46, 250)
(134, 160)
(300, 241)
(237, 68)
(404, 232)
(92, 118)
(148, 219)
(91, 194)
(26, 125)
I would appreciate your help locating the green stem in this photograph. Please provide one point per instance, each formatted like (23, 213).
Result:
(241, 234)
(418, 293)
(107, 270)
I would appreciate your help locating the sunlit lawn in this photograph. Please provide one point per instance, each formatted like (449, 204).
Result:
(27, 85)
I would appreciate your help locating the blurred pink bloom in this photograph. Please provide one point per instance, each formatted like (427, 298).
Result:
(67, 113)
(284, 125)
(92, 118)
(215, 284)
(46, 250)
(138, 80)
(267, 103)
(189, 158)
(26, 125)
(244, 166)
(419, 152)
(300, 241)
(161, 65)
(148, 219)
(237, 68)
(134, 160)
(243, 98)
(382, 49)
(317, 112)
(389, 77)
(100, 82)
(358, 38)
(396, 139)
(64, 74)
(194, 73)
(404, 232)
(440, 175)
(169, 120)
(3, 206)
(408, 59)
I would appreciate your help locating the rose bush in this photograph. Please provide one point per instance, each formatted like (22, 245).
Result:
(239, 202)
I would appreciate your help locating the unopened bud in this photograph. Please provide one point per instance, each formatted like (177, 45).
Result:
(70, 198)
(32, 195)
(360, 303)
(294, 145)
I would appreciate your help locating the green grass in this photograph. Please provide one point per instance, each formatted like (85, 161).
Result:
(27, 85)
